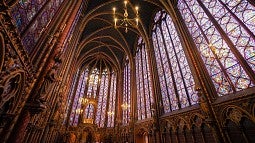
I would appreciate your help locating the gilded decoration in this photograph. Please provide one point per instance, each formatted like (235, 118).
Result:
(143, 127)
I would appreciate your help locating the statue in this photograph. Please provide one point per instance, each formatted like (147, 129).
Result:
(48, 80)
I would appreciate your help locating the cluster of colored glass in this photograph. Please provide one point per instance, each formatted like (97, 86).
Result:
(32, 18)
(95, 87)
(82, 83)
(126, 93)
(223, 31)
(102, 99)
(112, 101)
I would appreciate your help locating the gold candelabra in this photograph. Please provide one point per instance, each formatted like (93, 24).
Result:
(125, 21)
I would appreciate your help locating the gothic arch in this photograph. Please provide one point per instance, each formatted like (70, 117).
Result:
(235, 114)
(10, 91)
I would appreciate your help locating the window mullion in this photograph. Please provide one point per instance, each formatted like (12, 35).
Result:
(138, 84)
(238, 20)
(166, 84)
(252, 2)
(148, 77)
(232, 47)
(108, 98)
(216, 57)
(102, 100)
(170, 68)
(73, 98)
(97, 96)
(178, 63)
(144, 98)
(78, 98)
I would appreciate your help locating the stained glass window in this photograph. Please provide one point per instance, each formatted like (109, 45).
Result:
(38, 14)
(25, 10)
(223, 31)
(70, 96)
(143, 82)
(102, 99)
(112, 101)
(93, 83)
(94, 98)
(126, 94)
(176, 81)
(76, 108)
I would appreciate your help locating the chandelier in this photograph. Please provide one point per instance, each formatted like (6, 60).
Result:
(126, 21)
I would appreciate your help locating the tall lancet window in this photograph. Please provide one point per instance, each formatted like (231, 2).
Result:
(70, 96)
(176, 80)
(93, 83)
(143, 82)
(32, 18)
(223, 31)
(112, 101)
(76, 108)
(102, 98)
(93, 100)
(126, 101)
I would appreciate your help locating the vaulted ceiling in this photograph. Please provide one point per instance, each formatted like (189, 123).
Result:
(99, 38)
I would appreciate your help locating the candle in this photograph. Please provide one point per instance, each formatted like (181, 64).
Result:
(125, 2)
(114, 9)
(136, 8)
(115, 22)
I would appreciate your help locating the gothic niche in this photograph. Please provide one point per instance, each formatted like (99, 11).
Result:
(9, 88)
(9, 97)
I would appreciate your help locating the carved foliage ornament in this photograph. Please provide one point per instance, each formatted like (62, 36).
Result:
(235, 115)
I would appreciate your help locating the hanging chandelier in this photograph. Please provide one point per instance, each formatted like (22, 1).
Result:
(125, 21)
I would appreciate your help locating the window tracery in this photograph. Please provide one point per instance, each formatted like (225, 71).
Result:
(143, 82)
(94, 98)
(112, 101)
(224, 36)
(102, 99)
(36, 12)
(126, 94)
(176, 80)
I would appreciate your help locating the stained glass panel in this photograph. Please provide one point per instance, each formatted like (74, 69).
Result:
(75, 114)
(102, 99)
(176, 80)
(143, 81)
(126, 93)
(224, 68)
(112, 102)
(34, 11)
